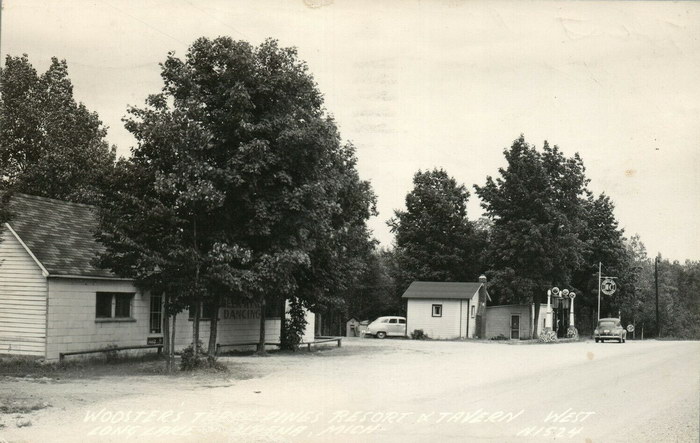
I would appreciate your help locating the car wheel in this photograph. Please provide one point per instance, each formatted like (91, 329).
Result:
(381, 334)
(602, 341)
(597, 340)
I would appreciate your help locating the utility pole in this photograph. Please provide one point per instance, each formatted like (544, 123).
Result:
(656, 284)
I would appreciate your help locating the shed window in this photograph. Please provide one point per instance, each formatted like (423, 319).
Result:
(437, 310)
(473, 311)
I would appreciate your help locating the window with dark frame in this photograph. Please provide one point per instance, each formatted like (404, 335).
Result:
(122, 305)
(103, 303)
(473, 311)
(115, 305)
(437, 310)
(156, 314)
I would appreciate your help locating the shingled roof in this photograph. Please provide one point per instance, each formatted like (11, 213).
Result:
(59, 234)
(443, 290)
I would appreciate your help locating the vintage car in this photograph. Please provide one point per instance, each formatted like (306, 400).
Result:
(609, 329)
(387, 326)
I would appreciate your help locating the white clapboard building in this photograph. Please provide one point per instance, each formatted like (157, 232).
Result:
(446, 310)
(54, 299)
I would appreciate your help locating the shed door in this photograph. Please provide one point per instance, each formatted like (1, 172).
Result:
(515, 327)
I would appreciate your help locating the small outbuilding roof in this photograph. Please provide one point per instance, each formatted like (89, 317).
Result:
(59, 234)
(444, 290)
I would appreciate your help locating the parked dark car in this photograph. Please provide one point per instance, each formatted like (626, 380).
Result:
(610, 329)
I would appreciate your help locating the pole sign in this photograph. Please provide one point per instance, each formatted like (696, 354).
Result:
(630, 328)
(608, 286)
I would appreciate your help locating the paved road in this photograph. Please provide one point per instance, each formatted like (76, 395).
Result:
(399, 390)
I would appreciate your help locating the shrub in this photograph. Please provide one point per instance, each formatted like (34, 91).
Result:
(190, 362)
(418, 334)
(547, 336)
(500, 337)
(294, 326)
(572, 332)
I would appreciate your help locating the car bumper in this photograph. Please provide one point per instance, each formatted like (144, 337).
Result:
(605, 337)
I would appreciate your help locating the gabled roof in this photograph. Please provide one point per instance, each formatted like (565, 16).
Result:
(444, 290)
(59, 234)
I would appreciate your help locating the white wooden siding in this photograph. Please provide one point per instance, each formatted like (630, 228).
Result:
(72, 313)
(23, 291)
(230, 331)
(72, 325)
(419, 315)
(498, 320)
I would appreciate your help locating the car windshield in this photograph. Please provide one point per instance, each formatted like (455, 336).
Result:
(606, 324)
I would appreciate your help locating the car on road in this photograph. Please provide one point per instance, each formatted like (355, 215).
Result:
(390, 326)
(610, 329)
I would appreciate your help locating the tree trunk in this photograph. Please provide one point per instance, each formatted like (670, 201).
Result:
(197, 303)
(283, 318)
(165, 321)
(213, 323)
(261, 342)
(537, 318)
(171, 351)
(195, 329)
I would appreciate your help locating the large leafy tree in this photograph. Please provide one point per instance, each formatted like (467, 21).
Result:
(604, 244)
(434, 239)
(50, 145)
(537, 215)
(255, 196)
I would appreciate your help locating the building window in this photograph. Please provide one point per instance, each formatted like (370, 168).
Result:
(156, 316)
(104, 305)
(113, 304)
(122, 305)
(473, 311)
(437, 310)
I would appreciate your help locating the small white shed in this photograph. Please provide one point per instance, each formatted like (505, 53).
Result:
(446, 310)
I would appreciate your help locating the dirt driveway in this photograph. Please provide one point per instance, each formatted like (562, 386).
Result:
(392, 390)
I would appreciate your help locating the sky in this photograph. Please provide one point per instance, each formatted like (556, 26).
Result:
(417, 85)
